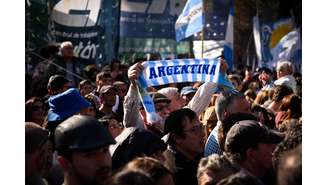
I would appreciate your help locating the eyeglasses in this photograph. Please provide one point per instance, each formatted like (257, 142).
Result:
(195, 129)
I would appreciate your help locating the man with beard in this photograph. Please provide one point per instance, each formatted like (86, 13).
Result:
(82, 144)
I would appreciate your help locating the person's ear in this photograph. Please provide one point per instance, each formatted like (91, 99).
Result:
(64, 163)
(251, 154)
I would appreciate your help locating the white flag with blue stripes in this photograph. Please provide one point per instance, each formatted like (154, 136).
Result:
(191, 20)
(228, 47)
(163, 72)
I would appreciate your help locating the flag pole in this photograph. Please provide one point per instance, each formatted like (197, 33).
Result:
(202, 33)
(202, 38)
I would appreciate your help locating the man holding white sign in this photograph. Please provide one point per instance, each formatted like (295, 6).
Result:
(192, 70)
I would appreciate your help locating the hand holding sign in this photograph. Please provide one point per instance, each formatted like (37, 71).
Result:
(134, 72)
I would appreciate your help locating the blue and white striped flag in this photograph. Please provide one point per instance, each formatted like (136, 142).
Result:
(228, 47)
(163, 72)
(181, 70)
(191, 20)
(287, 46)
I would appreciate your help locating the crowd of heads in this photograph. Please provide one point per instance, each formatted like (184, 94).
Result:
(90, 127)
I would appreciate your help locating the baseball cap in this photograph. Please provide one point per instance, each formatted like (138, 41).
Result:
(81, 133)
(106, 88)
(188, 89)
(247, 133)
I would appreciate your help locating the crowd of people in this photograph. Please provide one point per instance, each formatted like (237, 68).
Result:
(88, 126)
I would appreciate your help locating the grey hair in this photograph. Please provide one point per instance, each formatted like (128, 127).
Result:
(224, 100)
(285, 65)
(66, 43)
(215, 163)
(169, 92)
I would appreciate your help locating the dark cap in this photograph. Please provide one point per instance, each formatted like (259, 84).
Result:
(247, 133)
(57, 82)
(81, 133)
(106, 88)
(188, 89)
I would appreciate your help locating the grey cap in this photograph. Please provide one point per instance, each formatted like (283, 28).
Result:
(81, 133)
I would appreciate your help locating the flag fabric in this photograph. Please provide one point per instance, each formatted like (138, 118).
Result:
(211, 48)
(163, 72)
(228, 47)
(287, 47)
(257, 40)
(191, 20)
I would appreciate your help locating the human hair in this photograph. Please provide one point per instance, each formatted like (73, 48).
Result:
(105, 119)
(285, 66)
(290, 168)
(83, 83)
(240, 178)
(268, 117)
(93, 100)
(174, 122)
(103, 74)
(113, 62)
(230, 121)
(35, 137)
(151, 166)
(292, 106)
(29, 107)
(57, 83)
(65, 43)
(250, 95)
(292, 139)
(169, 92)
(234, 77)
(218, 165)
(280, 91)
(130, 177)
(224, 100)
(261, 97)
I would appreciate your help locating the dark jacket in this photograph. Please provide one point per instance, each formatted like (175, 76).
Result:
(186, 170)
(59, 67)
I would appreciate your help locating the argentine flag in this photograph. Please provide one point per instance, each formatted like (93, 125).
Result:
(228, 47)
(191, 20)
(287, 46)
